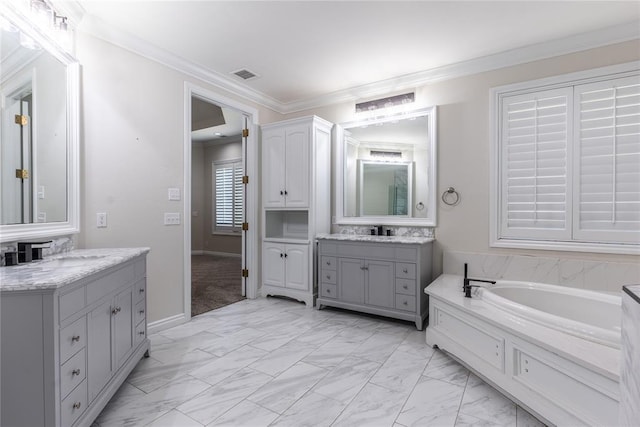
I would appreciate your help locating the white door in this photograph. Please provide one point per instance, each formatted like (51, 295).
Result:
(273, 165)
(297, 167)
(273, 264)
(297, 267)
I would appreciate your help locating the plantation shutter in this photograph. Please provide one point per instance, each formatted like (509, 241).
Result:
(535, 150)
(229, 197)
(607, 120)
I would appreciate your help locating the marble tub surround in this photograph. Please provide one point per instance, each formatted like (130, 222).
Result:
(377, 239)
(395, 230)
(58, 245)
(630, 369)
(52, 273)
(272, 362)
(577, 273)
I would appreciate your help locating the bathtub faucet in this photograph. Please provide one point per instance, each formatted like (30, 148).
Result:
(466, 286)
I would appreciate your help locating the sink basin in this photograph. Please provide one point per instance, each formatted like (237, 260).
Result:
(72, 261)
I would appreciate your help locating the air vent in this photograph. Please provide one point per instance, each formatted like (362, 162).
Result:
(245, 74)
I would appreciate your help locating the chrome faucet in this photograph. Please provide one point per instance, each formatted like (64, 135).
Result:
(466, 286)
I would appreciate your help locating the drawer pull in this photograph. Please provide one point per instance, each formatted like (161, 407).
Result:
(328, 262)
(405, 287)
(77, 405)
(404, 302)
(142, 291)
(328, 276)
(141, 311)
(141, 333)
(75, 372)
(405, 271)
(328, 291)
(75, 338)
(116, 310)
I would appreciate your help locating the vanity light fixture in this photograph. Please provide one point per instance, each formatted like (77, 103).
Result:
(389, 102)
(60, 22)
(386, 155)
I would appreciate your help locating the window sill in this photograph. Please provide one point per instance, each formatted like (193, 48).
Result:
(606, 248)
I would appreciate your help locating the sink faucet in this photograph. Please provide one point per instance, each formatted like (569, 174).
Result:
(466, 286)
(27, 252)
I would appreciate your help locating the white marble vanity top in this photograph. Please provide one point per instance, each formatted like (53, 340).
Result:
(377, 239)
(61, 269)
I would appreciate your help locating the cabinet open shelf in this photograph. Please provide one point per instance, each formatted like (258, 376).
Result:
(287, 225)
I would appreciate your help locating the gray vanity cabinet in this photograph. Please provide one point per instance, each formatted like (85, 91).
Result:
(66, 350)
(385, 278)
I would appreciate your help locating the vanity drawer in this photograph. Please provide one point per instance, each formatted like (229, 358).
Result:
(139, 312)
(73, 338)
(139, 291)
(74, 405)
(405, 286)
(328, 276)
(72, 373)
(141, 332)
(328, 263)
(328, 291)
(71, 302)
(405, 302)
(405, 270)
(109, 283)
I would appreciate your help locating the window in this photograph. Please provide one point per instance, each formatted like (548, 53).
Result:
(568, 163)
(229, 198)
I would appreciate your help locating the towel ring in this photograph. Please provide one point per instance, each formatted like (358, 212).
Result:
(451, 200)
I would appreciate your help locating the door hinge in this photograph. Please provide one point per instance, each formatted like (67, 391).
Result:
(21, 119)
(245, 179)
(245, 133)
(245, 272)
(22, 173)
(245, 226)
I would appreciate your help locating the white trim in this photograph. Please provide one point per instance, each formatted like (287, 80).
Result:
(251, 261)
(563, 46)
(166, 323)
(495, 113)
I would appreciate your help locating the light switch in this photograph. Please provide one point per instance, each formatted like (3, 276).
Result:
(101, 220)
(174, 194)
(171, 218)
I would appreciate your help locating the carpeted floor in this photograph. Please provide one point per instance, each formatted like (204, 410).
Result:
(215, 282)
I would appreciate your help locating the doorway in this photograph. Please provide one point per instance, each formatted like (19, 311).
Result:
(219, 202)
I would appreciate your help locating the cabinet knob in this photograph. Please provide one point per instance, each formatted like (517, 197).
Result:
(75, 338)
(405, 271)
(77, 405)
(404, 303)
(281, 193)
(328, 276)
(328, 262)
(405, 287)
(75, 372)
(286, 255)
(328, 291)
(286, 192)
(142, 291)
(116, 310)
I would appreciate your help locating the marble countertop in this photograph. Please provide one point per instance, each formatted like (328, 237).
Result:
(377, 239)
(61, 269)
(633, 291)
(599, 358)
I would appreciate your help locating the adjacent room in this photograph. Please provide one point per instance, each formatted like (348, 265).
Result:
(319, 213)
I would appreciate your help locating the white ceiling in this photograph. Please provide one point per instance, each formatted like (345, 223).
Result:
(308, 53)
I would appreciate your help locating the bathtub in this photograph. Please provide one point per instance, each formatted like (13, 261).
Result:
(553, 350)
(594, 316)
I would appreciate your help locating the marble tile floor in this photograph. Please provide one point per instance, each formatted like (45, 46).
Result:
(274, 362)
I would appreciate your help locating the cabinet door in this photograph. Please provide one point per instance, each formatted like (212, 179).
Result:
(273, 167)
(99, 348)
(123, 326)
(273, 264)
(351, 280)
(297, 267)
(380, 283)
(297, 167)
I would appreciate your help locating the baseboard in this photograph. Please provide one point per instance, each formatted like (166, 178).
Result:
(166, 323)
(227, 254)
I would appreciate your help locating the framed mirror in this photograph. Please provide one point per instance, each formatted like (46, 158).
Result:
(38, 133)
(386, 170)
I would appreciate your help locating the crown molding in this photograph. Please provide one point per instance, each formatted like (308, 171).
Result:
(567, 45)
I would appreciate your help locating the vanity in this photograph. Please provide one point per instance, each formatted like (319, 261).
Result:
(379, 275)
(73, 326)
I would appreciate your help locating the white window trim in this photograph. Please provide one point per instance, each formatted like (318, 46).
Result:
(222, 229)
(495, 167)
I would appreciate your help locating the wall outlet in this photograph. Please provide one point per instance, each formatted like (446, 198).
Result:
(174, 194)
(42, 217)
(41, 193)
(171, 218)
(101, 220)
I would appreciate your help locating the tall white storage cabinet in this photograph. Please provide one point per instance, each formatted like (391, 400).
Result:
(296, 197)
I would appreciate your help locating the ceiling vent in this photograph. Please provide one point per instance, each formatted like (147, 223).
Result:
(245, 74)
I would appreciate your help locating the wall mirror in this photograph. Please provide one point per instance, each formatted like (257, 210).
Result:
(386, 170)
(38, 133)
